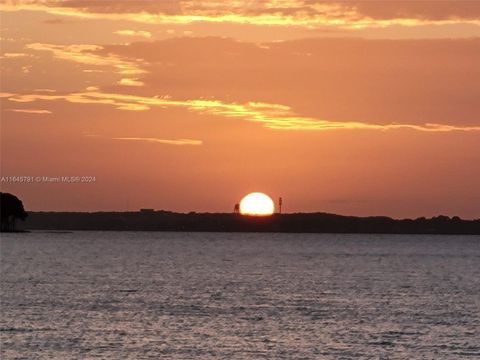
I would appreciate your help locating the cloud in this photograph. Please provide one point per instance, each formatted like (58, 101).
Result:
(140, 33)
(90, 55)
(31, 111)
(370, 81)
(46, 90)
(92, 71)
(130, 82)
(153, 140)
(426, 85)
(15, 55)
(162, 141)
(304, 13)
(374, 81)
(272, 116)
(6, 94)
(417, 9)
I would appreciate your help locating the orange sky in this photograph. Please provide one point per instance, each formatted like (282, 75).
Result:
(352, 107)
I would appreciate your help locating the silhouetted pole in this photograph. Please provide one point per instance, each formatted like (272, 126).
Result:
(280, 201)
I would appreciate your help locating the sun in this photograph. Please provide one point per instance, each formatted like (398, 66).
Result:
(257, 204)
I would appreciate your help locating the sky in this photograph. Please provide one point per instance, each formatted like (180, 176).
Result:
(350, 107)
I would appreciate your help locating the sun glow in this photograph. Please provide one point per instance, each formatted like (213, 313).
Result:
(257, 204)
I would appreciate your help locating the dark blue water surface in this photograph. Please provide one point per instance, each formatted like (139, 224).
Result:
(141, 295)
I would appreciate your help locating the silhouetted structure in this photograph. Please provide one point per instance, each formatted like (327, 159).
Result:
(236, 209)
(11, 209)
(280, 203)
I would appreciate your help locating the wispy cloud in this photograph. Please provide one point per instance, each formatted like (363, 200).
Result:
(31, 111)
(272, 116)
(131, 82)
(304, 13)
(14, 55)
(140, 33)
(6, 94)
(46, 90)
(162, 141)
(177, 142)
(86, 54)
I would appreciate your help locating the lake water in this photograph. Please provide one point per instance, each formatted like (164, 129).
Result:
(140, 295)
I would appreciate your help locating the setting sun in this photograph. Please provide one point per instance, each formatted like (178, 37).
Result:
(257, 204)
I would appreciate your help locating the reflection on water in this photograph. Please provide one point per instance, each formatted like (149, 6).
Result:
(239, 296)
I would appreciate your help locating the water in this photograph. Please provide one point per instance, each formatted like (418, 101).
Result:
(122, 295)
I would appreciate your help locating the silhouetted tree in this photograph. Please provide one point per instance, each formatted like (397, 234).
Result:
(11, 209)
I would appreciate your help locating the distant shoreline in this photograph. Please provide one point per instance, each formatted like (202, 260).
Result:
(227, 222)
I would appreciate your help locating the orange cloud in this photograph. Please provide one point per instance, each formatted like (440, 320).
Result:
(153, 140)
(272, 116)
(14, 55)
(130, 82)
(88, 55)
(305, 13)
(162, 141)
(373, 81)
(379, 82)
(31, 111)
(46, 90)
(140, 33)
(6, 94)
